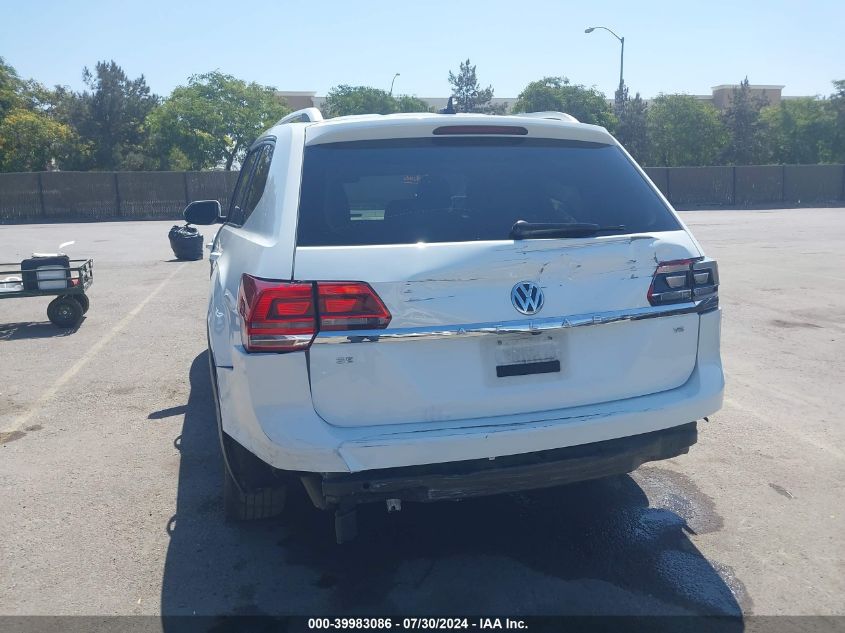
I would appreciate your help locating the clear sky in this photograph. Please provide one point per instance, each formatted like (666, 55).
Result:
(669, 46)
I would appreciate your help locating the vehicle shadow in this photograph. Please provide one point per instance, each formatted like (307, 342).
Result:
(33, 329)
(592, 548)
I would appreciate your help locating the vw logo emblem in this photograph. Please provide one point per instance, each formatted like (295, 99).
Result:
(527, 297)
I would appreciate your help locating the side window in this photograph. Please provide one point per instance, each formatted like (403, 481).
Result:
(258, 180)
(235, 215)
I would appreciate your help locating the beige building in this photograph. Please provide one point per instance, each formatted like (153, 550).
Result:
(722, 95)
(299, 100)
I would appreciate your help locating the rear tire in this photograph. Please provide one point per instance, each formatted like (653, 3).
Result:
(64, 312)
(263, 503)
(251, 488)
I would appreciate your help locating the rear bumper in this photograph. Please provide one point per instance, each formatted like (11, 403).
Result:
(512, 473)
(269, 411)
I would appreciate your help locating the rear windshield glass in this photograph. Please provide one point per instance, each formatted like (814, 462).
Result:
(459, 190)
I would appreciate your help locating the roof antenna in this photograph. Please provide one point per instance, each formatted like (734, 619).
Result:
(449, 109)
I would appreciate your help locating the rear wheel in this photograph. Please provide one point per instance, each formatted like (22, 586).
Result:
(251, 488)
(64, 312)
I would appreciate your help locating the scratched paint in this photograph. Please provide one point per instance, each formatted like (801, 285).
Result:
(470, 282)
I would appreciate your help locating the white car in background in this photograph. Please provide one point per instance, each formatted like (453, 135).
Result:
(418, 307)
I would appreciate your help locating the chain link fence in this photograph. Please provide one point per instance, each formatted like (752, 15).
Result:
(160, 195)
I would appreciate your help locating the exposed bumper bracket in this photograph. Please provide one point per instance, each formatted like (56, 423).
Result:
(504, 474)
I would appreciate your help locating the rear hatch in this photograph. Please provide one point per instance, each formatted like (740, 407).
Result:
(476, 315)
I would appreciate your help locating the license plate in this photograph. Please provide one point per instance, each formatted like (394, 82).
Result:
(524, 350)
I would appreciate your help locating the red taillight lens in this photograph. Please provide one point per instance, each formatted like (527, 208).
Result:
(685, 280)
(280, 316)
(276, 316)
(350, 306)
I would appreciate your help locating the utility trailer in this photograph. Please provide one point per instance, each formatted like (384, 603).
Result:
(67, 282)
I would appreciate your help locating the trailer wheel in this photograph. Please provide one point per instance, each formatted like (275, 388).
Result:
(64, 312)
(83, 300)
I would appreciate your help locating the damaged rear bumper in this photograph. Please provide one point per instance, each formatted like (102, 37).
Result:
(480, 477)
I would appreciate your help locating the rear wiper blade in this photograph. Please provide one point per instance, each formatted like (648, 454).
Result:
(522, 229)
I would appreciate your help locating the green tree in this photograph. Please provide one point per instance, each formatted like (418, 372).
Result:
(800, 131)
(344, 100)
(744, 128)
(468, 95)
(557, 94)
(57, 102)
(111, 117)
(10, 87)
(32, 137)
(543, 95)
(620, 99)
(632, 126)
(212, 121)
(30, 141)
(407, 103)
(683, 130)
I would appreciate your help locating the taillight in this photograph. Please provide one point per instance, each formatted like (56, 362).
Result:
(280, 316)
(276, 316)
(350, 306)
(685, 280)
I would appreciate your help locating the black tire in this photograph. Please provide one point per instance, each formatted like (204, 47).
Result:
(251, 489)
(83, 300)
(250, 505)
(64, 312)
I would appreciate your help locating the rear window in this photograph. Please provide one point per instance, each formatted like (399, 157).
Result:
(458, 190)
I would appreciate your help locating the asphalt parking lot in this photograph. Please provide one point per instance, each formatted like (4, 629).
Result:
(110, 474)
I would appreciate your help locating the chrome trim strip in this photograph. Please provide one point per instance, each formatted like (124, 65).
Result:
(526, 326)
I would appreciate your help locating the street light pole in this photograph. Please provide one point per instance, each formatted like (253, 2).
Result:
(621, 64)
(391, 83)
(621, 56)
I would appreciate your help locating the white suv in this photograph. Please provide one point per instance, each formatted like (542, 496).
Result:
(433, 306)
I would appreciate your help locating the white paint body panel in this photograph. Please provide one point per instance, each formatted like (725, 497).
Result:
(421, 402)
(457, 283)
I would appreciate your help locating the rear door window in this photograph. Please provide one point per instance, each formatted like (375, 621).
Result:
(235, 215)
(455, 190)
(258, 181)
